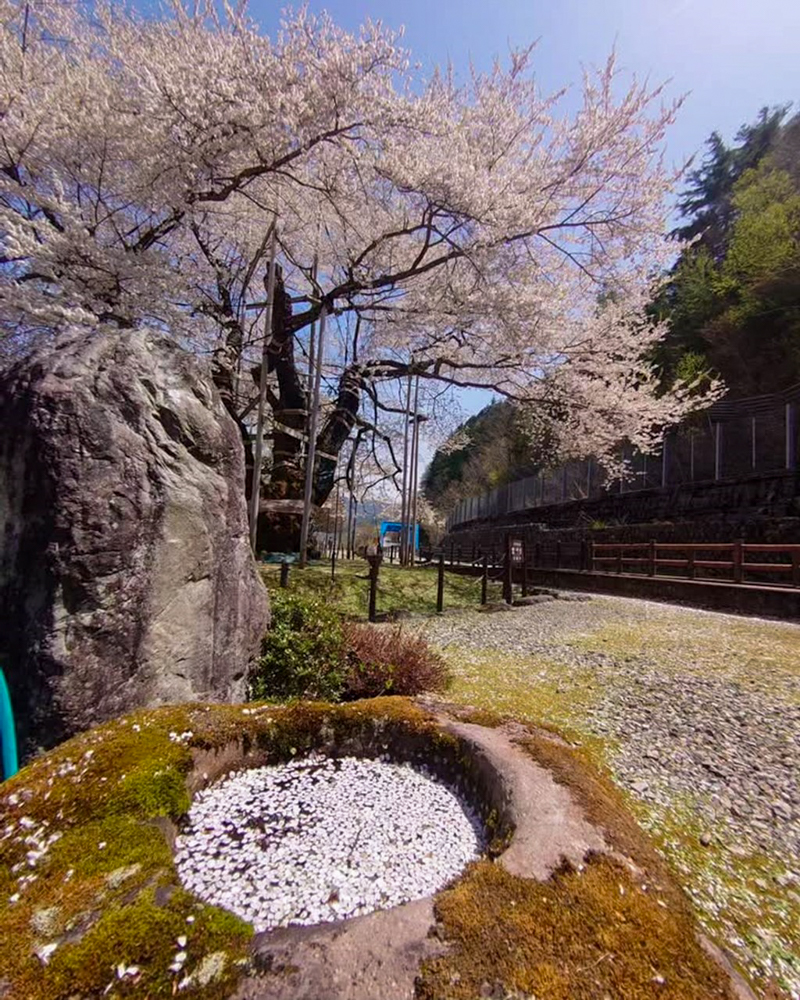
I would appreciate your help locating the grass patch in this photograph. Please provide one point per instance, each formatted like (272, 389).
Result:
(529, 688)
(399, 588)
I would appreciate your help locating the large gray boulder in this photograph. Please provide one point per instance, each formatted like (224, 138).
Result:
(126, 578)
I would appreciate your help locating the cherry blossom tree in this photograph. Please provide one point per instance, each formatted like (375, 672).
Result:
(473, 234)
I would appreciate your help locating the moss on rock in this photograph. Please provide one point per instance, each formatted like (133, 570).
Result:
(89, 894)
(582, 935)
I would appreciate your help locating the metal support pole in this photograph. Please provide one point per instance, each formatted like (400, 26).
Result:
(311, 451)
(415, 476)
(718, 450)
(284, 574)
(753, 454)
(664, 462)
(258, 458)
(403, 495)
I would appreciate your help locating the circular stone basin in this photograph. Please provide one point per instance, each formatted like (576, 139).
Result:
(321, 839)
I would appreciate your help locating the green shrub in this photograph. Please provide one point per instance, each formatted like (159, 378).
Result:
(383, 661)
(309, 653)
(303, 655)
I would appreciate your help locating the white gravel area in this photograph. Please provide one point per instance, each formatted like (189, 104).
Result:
(320, 839)
(699, 718)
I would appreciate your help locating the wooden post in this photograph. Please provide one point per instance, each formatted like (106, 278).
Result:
(284, 574)
(485, 581)
(473, 550)
(690, 568)
(795, 568)
(591, 555)
(508, 594)
(333, 562)
(651, 567)
(558, 553)
(524, 568)
(537, 553)
(791, 436)
(619, 560)
(452, 554)
(737, 561)
(374, 569)
(718, 450)
(440, 585)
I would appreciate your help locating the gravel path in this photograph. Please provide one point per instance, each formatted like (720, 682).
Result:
(319, 839)
(698, 716)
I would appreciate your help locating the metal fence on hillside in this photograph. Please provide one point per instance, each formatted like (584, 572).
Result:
(730, 440)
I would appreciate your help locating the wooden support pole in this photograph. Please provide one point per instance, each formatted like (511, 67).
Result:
(440, 585)
(258, 458)
(485, 580)
(651, 566)
(311, 451)
(284, 574)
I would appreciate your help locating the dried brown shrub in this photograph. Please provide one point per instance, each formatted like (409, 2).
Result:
(387, 661)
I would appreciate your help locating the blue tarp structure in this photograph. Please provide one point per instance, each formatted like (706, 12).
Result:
(391, 531)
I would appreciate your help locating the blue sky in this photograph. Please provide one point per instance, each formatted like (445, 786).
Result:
(730, 56)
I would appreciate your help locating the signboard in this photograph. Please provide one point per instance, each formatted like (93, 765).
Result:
(517, 551)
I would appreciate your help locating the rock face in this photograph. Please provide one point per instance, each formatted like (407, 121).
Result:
(126, 577)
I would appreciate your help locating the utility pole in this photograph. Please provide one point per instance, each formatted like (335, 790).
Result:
(312, 439)
(258, 459)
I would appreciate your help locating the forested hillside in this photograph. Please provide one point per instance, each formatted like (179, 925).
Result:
(731, 301)
(489, 449)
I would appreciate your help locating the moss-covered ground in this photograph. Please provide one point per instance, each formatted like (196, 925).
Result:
(399, 589)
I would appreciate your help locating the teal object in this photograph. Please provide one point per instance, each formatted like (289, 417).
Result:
(8, 734)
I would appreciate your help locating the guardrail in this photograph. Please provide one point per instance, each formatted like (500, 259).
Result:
(628, 557)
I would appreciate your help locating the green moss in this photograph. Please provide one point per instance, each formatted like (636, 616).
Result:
(585, 935)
